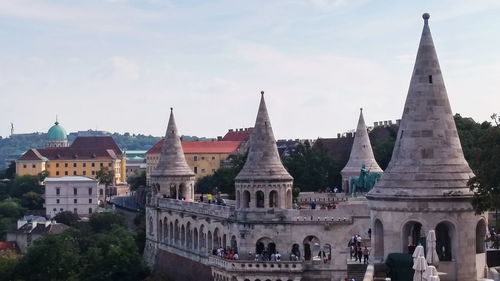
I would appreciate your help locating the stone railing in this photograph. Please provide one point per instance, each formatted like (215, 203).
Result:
(330, 216)
(322, 198)
(370, 273)
(196, 208)
(192, 255)
(255, 266)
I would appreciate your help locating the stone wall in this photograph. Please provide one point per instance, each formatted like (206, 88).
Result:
(177, 268)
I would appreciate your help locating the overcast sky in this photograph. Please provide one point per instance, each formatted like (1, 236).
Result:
(119, 65)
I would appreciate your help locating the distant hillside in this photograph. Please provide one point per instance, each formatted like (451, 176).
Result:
(18, 144)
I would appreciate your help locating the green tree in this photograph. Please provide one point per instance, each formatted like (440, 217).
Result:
(205, 184)
(7, 267)
(32, 201)
(106, 176)
(100, 222)
(67, 217)
(137, 180)
(52, 257)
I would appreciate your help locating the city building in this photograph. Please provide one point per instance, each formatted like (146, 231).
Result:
(425, 185)
(203, 157)
(57, 136)
(136, 161)
(84, 157)
(30, 228)
(77, 194)
(183, 235)
(361, 155)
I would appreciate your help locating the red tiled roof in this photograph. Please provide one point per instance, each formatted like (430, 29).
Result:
(238, 135)
(8, 246)
(92, 148)
(190, 147)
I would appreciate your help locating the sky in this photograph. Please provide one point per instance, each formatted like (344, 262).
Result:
(119, 65)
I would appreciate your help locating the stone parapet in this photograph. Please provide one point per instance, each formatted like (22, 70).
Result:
(219, 211)
(256, 266)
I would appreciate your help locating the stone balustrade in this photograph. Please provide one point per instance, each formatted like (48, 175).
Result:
(196, 208)
(255, 266)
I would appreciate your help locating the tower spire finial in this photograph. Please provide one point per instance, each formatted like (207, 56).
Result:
(261, 93)
(426, 17)
(171, 109)
(57, 121)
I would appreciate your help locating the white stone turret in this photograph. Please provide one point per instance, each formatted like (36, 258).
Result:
(361, 154)
(172, 176)
(425, 185)
(263, 182)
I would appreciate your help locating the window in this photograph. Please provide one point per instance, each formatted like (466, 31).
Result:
(75, 201)
(66, 165)
(430, 79)
(84, 173)
(58, 191)
(84, 165)
(57, 173)
(48, 165)
(74, 165)
(93, 172)
(55, 210)
(195, 158)
(61, 209)
(57, 165)
(196, 170)
(90, 210)
(90, 200)
(65, 173)
(75, 191)
(90, 190)
(101, 164)
(101, 192)
(57, 201)
(213, 157)
(93, 164)
(25, 166)
(75, 211)
(202, 170)
(74, 173)
(202, 157)
(109, 164)
(33, 166)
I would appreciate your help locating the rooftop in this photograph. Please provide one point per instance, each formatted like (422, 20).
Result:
(199, 147)
(70, 178)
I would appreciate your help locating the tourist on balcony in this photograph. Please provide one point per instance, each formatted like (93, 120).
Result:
(278, 256)
(366, 254)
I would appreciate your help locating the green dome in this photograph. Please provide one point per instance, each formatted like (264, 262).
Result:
(57, 133)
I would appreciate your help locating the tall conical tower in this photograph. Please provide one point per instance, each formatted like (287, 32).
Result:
(425, 185)
(263, 182)
(361, 154)
(172, 176)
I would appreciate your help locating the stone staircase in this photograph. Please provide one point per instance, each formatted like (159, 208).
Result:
(356, 271)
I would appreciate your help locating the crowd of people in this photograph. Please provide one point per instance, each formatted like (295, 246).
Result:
(357, 252)
(227, 253)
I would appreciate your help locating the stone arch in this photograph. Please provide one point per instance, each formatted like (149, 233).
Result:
(165, 230)
(265, 246)
(327, 252)
(183, 194)
(160, 230)
(289, 198)
(378, 237)
(234, 243)
(311, 245)
(189, 236)
(150, 225)
(295, 251)
(173, 191)
(209, 241)
(176, 232)
(259, 199)
(445, 236)
(216, 237)
(195, 239)
(480, 236)
(273, 199)
(203, 241)
(246, 199)
(412, 234)
(171, 240)
(238, 199)
(183, 236)
(224, 241)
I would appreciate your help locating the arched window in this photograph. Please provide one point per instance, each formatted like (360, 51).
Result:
(412, 234)
(444, 237)
(311, 247)
(209, 240)
(177, 232)
(216, 238)
(171, 240)
(273, 199)
(238, 199)
(295, 252)
(195, 239)
(379, 240)
(480, 236)
(189, 236)
(160, 230)
(246, 199)
(289, 199)
(265, 247)
(183, 192)
(165, 231)
(203, 246)
(260, 199)
(183, 236)
(224, 241)
(150, 225)
(234, 243)
(173, 190)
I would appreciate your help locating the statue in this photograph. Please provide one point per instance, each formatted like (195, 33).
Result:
(364, 182)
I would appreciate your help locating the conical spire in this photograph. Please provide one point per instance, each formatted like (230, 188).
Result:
(263, 162)
(172, 161)
(361, 151)
(427, 159)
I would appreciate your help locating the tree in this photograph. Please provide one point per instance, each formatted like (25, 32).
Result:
(52, 257)
(104, 221)
(107, 177)
(32, 201)
(7, 266)
(67, 217)
(42, 175)
(137, 180)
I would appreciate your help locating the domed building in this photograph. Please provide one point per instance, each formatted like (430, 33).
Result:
(57, 136)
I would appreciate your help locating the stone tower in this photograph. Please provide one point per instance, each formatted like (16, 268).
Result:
(425, 185)
(263, 182)
(172, 176)
(361, 154)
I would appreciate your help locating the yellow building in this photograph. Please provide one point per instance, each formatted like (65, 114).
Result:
(85, 157)
(203, 157)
